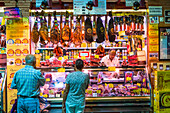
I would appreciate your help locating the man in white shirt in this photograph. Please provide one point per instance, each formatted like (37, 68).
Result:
(110, 60)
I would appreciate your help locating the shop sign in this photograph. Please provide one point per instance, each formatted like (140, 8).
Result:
(153, 48)
(12, 12)
(153, 26)
(153, 41)
(130, 2)
(155, 10)
(154, 20)
(81, 7)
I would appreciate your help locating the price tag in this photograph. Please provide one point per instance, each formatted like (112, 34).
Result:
(138, 49)
(99, 91)
(57, 95)
(111, 85)
(60, 58)
(41, 94)
(65, 57)
(62, 92)
(144, 80)
(111, 68)
(99, 80)
(94, 94)
(75, 57)
(45, 95)
(131, 53)
(47, 79)
(2, 51)
(105, 84)
(89, 91)
(83, 58)
(51, 96)
(138, 84)
(128, 79)
(96, 56)
(37, 51)
(61, 70)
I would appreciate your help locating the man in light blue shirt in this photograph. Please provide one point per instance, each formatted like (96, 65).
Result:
(27, 81)
(74, 94)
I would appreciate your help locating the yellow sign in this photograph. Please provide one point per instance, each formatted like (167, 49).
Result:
(75, 57)
(153, 48)
(61, 70)
(17, 30)
(153, 41)
(153, 26)
(96, 56)
(131, 53)
(60, 58)
(83, 58)
(111, 68)
(65, 57)
(121, 33)
(153, 33)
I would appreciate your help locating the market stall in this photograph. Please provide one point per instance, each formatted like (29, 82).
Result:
(59, 38)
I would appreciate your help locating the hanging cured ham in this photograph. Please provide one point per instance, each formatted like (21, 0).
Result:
(43, 31)
(77, 37)
(88, 30)
(35, 33)
(55, 32)
(100, 31)
(66, 32)
(111, 29)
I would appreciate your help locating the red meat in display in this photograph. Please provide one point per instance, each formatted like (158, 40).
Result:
(88, 30)
(100, 31)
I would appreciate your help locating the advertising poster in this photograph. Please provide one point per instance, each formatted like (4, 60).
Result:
(17, 32)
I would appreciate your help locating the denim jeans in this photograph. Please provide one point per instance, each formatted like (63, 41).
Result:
(74, 108)
(28, 105)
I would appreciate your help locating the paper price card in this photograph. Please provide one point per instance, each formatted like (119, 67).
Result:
(138, 84)
(153, 48)
(61, 70)
(111, 68)
(47, 79)
(139, 49)
(65, 57)
(153, 41)
(99, 91)
(153, 33)
(83, 58)
(60, 58)
(111, 85)
(128, 78)
(75, 57)
(45, 95)
(153, 26)
(96, 56)
(37, 51)
(47, 57)
(131, 53)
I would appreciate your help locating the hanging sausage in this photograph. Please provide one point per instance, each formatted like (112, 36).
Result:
(88, 30)
(100, 31)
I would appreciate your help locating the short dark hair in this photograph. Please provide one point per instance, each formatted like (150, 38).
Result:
(79, 64)
(29, 59)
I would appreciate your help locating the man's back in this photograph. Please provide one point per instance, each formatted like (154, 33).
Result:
(78, 82)
(27, 81)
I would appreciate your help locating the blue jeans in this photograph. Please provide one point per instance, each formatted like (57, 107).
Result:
(74, 108)
(28, 105)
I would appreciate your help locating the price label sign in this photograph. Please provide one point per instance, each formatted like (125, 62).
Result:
(96, 56)
(60, 58)
(47, 79)
(131, 53)
(83, 58)
(37, 51)
(128, 78)
(138, 84)
(61, 70)
(111, 69)
(75, 57)
(65, 57)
